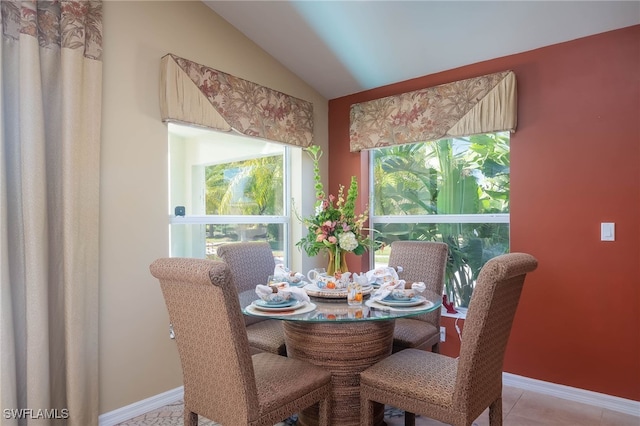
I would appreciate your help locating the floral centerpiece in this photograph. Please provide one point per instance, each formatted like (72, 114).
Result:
(334, 228)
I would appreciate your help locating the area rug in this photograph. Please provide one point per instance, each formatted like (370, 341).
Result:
(172, 415)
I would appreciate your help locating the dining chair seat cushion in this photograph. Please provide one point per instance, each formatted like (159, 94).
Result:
(418, 376)
(413, 333)
(281, 380)
(268, 336)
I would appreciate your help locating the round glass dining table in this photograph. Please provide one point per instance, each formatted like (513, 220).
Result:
(343, 339)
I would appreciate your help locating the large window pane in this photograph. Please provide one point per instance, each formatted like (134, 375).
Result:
(233, 188)
(450, 176)
(452, 190)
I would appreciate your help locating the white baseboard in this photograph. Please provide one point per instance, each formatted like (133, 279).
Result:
(582, 396)
(141, 407)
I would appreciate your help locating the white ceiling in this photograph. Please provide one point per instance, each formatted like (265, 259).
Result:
(341, 47)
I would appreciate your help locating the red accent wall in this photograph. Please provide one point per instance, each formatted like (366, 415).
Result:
(575, 162)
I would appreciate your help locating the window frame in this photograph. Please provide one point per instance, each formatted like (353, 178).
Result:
(204, 219)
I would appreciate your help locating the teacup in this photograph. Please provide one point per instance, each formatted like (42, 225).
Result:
(293, 279)
(403, 294)
(275, 298)
(277, 282)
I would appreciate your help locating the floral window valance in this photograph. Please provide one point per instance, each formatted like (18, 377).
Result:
(477, 105)
(195, 94)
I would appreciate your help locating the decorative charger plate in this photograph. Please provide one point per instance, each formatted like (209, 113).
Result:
(340, 293)
(299, 308)
(426, 304)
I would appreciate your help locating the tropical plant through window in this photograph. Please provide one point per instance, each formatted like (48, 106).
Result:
(250, 187)
(451, 190)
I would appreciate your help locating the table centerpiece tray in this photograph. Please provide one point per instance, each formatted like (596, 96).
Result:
(338, 293)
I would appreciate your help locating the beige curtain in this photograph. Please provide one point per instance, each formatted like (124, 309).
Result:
(484, 104)
(50, 109)
(196, 94)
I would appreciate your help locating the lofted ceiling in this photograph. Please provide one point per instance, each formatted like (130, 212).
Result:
(340, 47)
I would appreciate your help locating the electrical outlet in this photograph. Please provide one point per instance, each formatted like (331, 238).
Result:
(443, 334)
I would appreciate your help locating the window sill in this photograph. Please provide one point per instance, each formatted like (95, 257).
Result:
(461, 314)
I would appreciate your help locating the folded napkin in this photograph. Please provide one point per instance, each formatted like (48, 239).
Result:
(382, 275)
(387, 289)
(419, 286)
(361, 279)
(342, 279)
(264, 291)
(297, 293)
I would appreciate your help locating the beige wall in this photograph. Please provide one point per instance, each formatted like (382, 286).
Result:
(137, 359)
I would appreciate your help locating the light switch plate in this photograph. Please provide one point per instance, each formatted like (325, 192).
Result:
(607, 231)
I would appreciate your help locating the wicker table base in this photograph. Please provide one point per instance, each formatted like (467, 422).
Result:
(345, 349)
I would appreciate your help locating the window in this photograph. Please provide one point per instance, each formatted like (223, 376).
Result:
(233, 188)
(451, 190)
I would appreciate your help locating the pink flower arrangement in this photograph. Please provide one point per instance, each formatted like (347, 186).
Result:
(335, 226)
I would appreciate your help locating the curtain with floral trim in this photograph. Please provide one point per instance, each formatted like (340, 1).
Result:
(50, 118)
(477, 105)
(196, 94)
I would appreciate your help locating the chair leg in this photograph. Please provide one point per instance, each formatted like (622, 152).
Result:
(190, 418)
(324, 406)
(409, 419)
(495, 413)
(366, 411)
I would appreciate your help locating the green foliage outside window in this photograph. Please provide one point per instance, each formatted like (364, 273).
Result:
(467, 176)
(250, 187)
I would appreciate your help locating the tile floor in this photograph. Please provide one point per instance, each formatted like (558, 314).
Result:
(519, 408)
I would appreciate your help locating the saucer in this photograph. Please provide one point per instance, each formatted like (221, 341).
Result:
(284, 304)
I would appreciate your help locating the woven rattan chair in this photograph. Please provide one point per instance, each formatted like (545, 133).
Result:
(456, 390)
(222, 380)
(420, 261)
(250, 264)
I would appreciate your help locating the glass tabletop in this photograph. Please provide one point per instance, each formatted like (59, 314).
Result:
(338, 310)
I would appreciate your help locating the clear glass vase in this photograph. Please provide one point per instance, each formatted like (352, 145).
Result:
(341, 265)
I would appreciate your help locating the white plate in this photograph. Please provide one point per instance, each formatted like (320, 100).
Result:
(414, 301)
(426, 304)
(302, 308)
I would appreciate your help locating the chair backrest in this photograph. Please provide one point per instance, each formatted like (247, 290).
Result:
(250, 264)
(487, 328)
(219, 381)
(424, 261)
